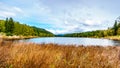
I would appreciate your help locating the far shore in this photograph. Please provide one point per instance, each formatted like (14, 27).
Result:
(16, 37)
(28, 37)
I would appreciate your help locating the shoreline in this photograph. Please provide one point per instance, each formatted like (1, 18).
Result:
(16, 37)
(29, 37)
(113, 38)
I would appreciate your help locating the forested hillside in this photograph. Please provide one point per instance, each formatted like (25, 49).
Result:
(11, 27)
(113, 31)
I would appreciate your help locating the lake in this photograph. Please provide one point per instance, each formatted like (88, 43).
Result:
(74, 41)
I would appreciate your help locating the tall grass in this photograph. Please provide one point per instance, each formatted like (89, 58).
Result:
(30, 55)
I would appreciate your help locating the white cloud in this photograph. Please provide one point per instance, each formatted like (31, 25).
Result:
(9, 11)
(64, 16)
(17, 9)
(58, 31)
(6, 14)
(92, 22)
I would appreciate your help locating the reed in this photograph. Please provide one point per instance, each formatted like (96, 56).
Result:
(30, 55)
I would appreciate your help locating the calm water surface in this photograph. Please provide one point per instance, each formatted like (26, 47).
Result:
(75, 41)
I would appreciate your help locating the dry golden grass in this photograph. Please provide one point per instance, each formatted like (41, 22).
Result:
(30, 55)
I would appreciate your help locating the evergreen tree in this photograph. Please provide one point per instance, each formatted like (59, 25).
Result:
(6, 25)
(115, 28)
(11, 25)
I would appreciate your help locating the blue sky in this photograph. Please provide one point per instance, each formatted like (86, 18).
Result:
(62, 16)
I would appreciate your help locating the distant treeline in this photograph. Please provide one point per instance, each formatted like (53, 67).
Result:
(11, 27)
(115, 30)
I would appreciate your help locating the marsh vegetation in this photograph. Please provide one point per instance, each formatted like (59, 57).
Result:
(31, 55)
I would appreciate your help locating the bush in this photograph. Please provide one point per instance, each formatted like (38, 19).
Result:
(9, 34)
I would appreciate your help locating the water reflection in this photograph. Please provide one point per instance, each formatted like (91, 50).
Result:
(75, 41)
(116, 42)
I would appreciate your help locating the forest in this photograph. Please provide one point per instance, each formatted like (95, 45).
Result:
(113, 31)
(11, 27)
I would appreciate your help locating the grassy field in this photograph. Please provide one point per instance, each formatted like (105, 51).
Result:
(30, 55)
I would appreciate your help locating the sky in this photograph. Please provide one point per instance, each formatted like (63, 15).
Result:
(62, 16)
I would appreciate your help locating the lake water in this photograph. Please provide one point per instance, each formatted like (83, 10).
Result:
(74, 41)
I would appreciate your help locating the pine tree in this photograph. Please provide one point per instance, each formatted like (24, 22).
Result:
(11, 25)
(6, 25)
(115, 28)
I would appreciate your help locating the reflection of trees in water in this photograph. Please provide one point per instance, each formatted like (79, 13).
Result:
(116, 42)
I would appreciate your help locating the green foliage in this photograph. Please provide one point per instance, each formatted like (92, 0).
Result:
(118, 31)
(115, 28)
(2, 24)
(10, 27)
(42, 32)
(6, 25)
(97, 33)
(9, 34)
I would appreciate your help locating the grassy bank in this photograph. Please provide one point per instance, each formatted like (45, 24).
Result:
(113, 37)
(30, 55)
(16, 37)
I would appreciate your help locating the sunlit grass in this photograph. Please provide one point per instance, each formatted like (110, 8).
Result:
(30, 55)
(113, 37)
